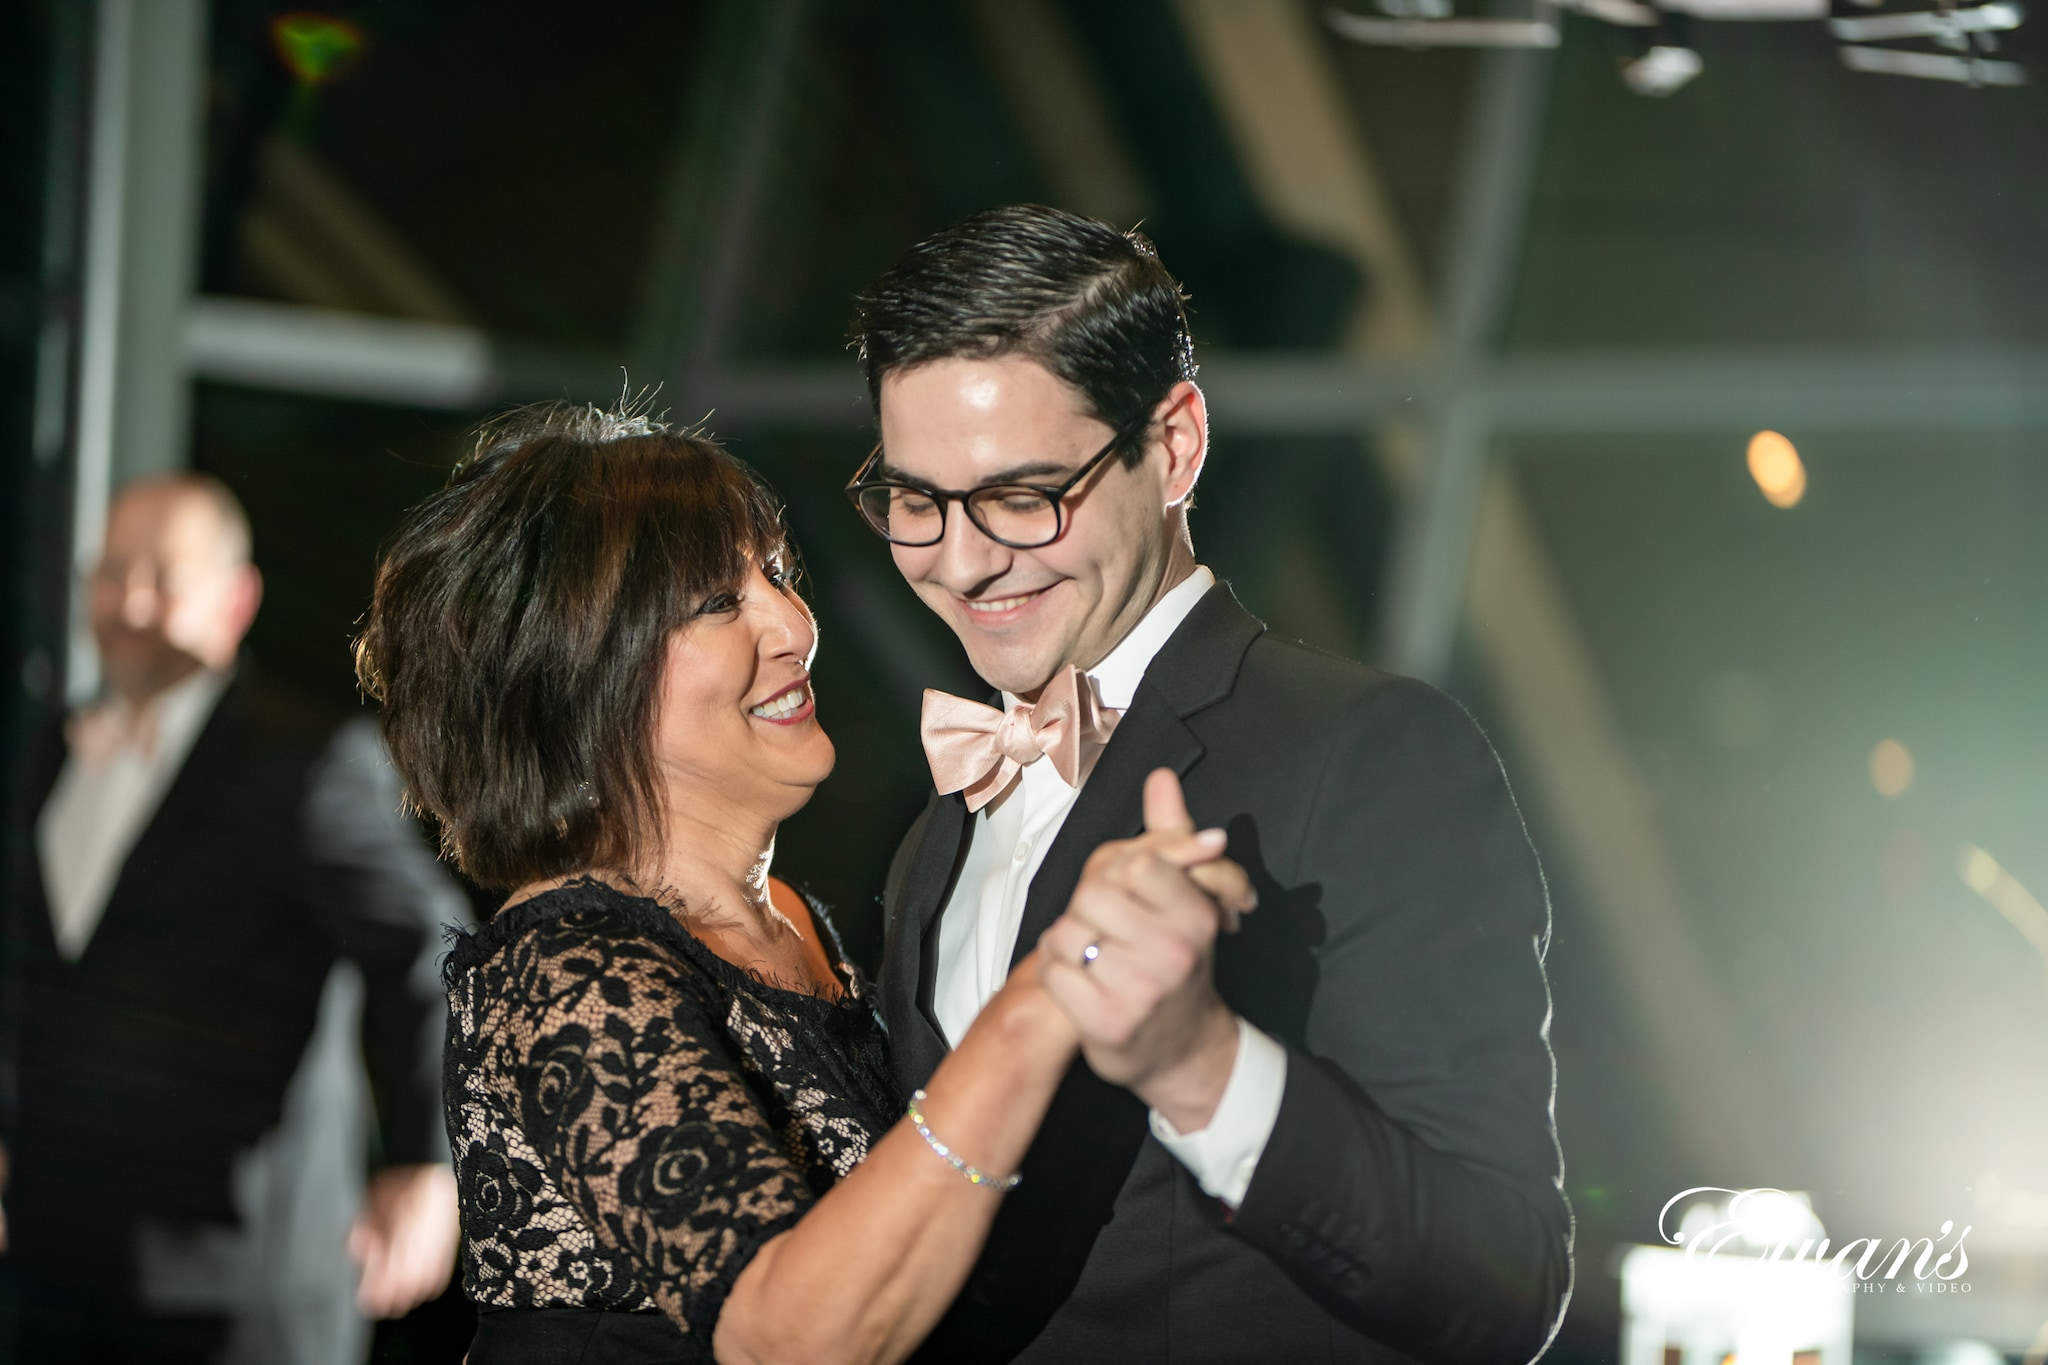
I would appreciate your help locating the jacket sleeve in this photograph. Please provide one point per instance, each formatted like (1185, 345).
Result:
(1413, 1183)
(383, 900)
(28, 786)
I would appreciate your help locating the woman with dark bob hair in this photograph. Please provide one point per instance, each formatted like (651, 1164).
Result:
(668, 1096)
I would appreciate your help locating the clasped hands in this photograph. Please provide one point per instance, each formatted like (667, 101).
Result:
(1132, 959)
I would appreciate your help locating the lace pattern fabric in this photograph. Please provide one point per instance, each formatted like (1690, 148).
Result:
(631, 1116)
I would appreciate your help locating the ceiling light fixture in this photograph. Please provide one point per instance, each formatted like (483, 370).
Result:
(1966, 33)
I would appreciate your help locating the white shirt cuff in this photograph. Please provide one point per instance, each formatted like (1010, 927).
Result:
(1224, 1155)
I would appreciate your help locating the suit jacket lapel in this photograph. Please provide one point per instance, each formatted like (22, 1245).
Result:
(1093, 1131)
(189, 785)
(1195, 668)
(918, 884)
(1110, 806)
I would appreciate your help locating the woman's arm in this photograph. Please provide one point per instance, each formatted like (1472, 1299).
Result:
(869, 1270)
(623, 1084)
(599, 1044)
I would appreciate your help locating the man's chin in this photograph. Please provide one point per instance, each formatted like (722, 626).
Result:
(1011, 672)
(144, 676)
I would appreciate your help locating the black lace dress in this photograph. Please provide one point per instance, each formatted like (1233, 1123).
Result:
(631, 1118)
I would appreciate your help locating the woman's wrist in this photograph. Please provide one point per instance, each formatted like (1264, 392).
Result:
(1026, 1016)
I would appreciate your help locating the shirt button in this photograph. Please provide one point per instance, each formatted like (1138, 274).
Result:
(1023, 850)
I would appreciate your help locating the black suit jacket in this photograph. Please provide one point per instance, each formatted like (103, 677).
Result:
(141, 1070)
(1409, 1204)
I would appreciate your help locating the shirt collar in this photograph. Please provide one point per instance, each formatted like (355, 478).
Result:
(1123, 668)
(165, 723)
(1117, 677)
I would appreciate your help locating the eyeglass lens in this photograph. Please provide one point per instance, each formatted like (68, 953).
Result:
(1017, 516)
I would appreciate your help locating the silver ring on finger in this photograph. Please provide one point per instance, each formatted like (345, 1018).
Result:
(1090, 953)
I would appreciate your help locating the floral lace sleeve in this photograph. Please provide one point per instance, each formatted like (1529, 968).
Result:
(608, 1055)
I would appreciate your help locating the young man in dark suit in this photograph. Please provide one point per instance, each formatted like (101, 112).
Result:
(1326, 1136)
(202, 851)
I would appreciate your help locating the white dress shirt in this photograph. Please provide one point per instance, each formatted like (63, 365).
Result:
(978, 928)
(107, 792)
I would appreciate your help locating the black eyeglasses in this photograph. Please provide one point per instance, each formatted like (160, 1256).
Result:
(1022, 516)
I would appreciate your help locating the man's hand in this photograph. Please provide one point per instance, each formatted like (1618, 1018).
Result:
(405, 1238)
(1132, 959)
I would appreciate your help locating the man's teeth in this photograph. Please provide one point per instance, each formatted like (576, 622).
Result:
(1001, 603)
(784, 706)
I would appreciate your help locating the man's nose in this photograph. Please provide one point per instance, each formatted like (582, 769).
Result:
(967, 557)
(141, 598)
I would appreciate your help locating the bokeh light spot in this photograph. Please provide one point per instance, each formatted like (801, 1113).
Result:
(1891, 768)
(313, 46)
(1980, 870)
(1776, 467)
(1982, 874)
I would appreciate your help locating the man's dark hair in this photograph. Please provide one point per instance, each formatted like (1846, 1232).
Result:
(520, 627)
(1090, 303)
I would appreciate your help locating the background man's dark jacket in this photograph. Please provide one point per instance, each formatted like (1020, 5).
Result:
(140, 1071)
(1409, 1204)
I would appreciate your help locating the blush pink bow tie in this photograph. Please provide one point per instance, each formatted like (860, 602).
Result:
(979, 750)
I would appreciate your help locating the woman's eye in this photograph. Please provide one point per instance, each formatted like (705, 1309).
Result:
(775, 573)
(718, 604)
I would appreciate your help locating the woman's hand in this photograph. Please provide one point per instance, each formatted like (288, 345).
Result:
(1025, 1014)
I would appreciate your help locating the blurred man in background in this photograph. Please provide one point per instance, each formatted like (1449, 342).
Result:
(207, 853)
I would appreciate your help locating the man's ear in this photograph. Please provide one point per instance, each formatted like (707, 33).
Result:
(1183, 419)
(248, 596)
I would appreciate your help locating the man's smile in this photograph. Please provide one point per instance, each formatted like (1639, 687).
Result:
(995, 610)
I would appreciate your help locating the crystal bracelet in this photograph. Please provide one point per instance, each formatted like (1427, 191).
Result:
(974, 1175)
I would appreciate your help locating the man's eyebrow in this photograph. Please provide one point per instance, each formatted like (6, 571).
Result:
(1036, 469)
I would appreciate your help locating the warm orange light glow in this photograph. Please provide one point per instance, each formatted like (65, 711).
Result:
(1891, 768)
(1775, 466)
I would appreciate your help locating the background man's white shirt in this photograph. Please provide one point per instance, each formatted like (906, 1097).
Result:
(106, 795)
(978, 928)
